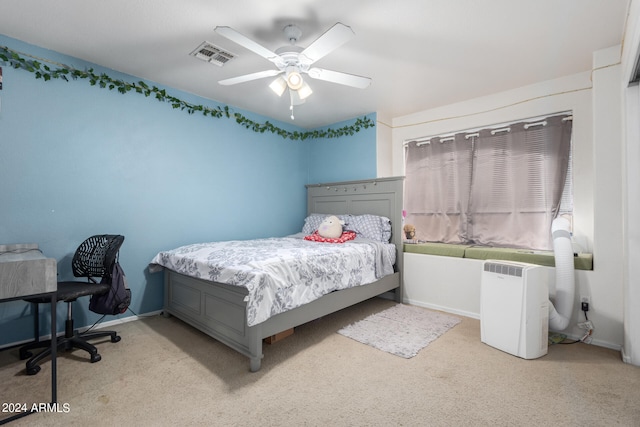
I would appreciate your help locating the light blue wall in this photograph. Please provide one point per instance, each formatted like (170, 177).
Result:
(77, 160)
(346, 158)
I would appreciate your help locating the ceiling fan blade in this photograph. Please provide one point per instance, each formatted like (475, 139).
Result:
(249, 77)
(246, 42)
(340, 78)
(332, 39)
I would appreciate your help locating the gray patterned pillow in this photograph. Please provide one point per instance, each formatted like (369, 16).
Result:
(372, 227)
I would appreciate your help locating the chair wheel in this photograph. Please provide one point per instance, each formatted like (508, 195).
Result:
(33, 371)
(116, 338)
(95, 358)
(25, 355)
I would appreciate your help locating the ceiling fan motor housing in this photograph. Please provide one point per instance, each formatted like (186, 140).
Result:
(292, 32)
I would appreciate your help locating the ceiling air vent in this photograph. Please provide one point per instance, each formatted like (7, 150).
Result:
(211, 53)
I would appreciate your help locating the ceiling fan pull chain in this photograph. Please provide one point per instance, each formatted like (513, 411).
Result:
(291, 108)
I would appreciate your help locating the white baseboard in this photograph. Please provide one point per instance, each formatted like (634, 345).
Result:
(443, 309)
(119, 321)
(101, 325)
(596, 342)
(625, 357)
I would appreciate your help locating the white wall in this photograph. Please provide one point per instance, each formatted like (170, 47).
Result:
(384, 147)
(631, 210)
(595, 100)
(631, 347)
(607, 284)
(443, 283)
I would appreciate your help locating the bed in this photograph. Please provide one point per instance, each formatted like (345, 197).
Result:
(226, 312)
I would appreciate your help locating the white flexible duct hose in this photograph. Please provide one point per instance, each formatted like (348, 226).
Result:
(565, 278)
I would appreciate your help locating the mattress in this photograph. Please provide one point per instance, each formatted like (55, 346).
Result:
(282, 273)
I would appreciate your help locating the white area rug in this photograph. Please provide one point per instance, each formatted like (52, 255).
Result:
(402, 330)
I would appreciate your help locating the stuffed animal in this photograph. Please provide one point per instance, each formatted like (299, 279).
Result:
(409, 231)
(331, 227)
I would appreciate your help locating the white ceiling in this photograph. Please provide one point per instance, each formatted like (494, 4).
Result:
(420, 54)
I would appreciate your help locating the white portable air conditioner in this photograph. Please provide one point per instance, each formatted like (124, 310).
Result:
(514, 308)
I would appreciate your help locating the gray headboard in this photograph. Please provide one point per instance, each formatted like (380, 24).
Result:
(378, 196)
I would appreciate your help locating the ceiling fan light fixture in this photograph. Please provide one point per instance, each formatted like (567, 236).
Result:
(278, 86)
(305, 91)
(294, 80)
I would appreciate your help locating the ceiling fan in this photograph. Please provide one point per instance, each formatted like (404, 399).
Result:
(293, 61)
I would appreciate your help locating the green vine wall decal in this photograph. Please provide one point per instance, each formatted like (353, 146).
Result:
(104, 81)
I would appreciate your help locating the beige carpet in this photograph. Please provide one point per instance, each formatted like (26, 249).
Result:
(164, 372)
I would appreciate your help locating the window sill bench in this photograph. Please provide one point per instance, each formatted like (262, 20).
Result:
(582, 261)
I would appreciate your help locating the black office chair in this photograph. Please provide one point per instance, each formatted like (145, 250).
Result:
(94, 258)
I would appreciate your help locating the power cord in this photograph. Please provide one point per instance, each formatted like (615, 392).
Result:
(587, 325)
(97, 322)
(94, 325)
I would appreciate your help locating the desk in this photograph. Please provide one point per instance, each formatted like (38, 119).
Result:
(25, 271)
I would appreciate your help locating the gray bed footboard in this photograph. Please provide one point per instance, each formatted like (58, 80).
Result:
(219, 310)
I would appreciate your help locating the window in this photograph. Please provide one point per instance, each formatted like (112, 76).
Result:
(500, 186)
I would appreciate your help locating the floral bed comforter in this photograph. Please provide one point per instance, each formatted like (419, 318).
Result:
(281, 273)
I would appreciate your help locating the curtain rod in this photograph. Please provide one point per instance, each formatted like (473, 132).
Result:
(503, 127)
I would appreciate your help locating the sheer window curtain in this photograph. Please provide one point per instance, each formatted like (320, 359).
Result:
(437, 180)
(517, 183)
(498, 187)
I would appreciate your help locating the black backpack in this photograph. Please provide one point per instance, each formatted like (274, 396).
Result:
(117, 300)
